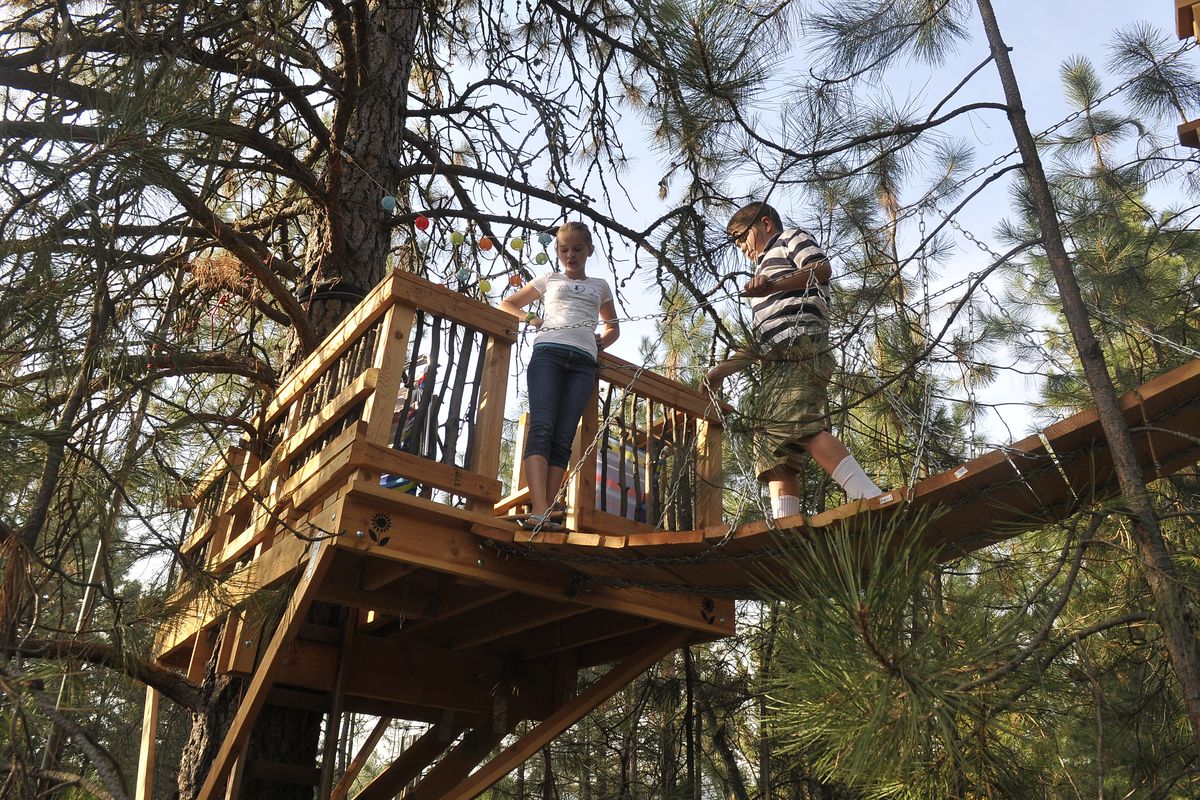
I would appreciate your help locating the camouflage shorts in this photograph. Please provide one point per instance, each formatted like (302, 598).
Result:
(787, 400)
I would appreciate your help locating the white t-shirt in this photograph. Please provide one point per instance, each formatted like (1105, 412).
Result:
(570, 310)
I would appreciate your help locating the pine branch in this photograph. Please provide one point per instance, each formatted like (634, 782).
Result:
(103, 654)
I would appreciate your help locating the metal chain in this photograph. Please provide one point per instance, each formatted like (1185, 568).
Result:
(923, 271)
(1182, 348)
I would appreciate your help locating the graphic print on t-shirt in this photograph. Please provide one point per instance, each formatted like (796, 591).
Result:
(571, 302)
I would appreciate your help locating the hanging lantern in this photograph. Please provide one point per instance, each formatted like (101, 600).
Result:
(517, 244)
(541, 258)
(485, 243)
(387, 203)
(514, 279)
(422, 222)
(544, 239)
(465, 275)
(457, 238)
(485, 285)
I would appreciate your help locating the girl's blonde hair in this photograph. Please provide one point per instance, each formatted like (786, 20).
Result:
(576, 227)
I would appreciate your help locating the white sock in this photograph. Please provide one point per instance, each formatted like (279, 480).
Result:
(851, 477)
(786, 505)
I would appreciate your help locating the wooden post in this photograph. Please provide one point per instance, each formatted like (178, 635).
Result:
(337, 705)
(256, 693)
(391, 356)
(581, 494)
(709, 447)
(519, 481)
(567, 715)
(360, 759)
(489, 417)
(408, 765)
(149, 749)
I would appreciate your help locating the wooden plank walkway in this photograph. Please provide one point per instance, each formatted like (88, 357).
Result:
(1004, 493)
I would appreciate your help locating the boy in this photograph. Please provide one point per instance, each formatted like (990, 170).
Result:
(789, 298)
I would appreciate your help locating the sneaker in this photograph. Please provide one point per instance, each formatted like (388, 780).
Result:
(541, 523)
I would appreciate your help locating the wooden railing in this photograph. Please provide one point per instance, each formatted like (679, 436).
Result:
(408, 391)
(647, 456)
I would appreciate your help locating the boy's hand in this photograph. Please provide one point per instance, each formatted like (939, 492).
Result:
(756, 286)
(736, 362)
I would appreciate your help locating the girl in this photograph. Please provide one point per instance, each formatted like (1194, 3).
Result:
(562, 369)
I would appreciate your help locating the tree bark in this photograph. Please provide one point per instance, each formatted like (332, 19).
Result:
(352, 233)
(347, 254)
(1157, 565)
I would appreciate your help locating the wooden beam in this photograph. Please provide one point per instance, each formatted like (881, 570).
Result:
(362, 386)
(360, 759)
(434, 298)
(389, 357)
(256, 693)
(416, 674)
(510, 616)
(709, 460)
(333, 722)
(277, 772)
(489, 416)
(144, 789)
(456, 480)
(445, 546)
(1189, 133)
(567, 715)
(409, 764)
(454, 767)
(595, 626)
(1185, 18)
(337, 342)
(656, 387)
(378, 573)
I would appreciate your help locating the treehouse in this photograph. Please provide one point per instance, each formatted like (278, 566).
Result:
(374, 492)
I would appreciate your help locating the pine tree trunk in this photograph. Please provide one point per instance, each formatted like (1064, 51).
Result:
(1157, 566)
(347, 255)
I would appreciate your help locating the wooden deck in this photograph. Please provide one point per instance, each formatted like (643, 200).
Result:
(448, 614)
(1038, 480)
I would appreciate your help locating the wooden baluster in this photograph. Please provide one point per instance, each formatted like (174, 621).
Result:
(454, 417)
(388, 357)
(581, 496)
(470, 420)
(400, 441)
(602, 448)
(425, 404)
(489, 418)
(652, 504)
(709, 479)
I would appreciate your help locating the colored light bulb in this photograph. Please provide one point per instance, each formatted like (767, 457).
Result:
(387, 203)
(422, 222)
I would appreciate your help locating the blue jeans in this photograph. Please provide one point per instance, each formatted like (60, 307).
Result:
(560, 383)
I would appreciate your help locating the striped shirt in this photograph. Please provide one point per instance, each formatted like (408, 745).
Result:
(780, 316)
